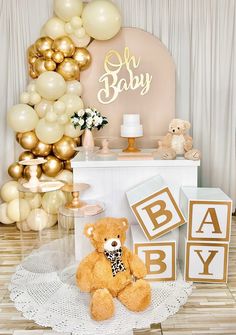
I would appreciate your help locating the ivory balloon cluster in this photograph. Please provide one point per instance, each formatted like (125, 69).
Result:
(59, 55)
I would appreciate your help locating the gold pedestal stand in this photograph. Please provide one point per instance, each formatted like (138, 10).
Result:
(131, 146)
(75, 190)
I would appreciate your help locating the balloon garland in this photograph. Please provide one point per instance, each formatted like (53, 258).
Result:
(42, 118)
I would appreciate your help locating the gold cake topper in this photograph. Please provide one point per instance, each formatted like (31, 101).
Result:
(114, 64)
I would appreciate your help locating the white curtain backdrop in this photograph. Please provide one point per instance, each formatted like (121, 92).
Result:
(201, 36)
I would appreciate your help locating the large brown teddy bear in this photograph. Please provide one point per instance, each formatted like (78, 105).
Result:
(177, 142)
(112, 270)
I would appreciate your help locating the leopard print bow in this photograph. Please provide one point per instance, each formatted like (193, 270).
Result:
(116, 263)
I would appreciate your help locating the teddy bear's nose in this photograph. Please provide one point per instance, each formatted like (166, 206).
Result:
(114, 244)
(173, 130)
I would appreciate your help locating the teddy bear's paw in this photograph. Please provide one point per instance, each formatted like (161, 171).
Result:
(136, 296)
(193, 155)
(165, 153)
(102, 305)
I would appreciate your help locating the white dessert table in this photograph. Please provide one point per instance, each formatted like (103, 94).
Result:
(110, 180)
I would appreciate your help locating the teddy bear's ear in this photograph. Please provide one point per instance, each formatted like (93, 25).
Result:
(187, 125)
(88, 229)
(125, 224)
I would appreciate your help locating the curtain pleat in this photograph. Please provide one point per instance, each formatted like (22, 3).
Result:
(200, 35)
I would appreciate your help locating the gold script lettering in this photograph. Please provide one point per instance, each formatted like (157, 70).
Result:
(113, 85)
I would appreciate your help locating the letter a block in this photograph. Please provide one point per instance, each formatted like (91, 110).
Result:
(206, 262)
(159, 257)
(209, 213)
(155, 208)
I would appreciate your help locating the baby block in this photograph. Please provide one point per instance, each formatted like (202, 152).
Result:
(155, 208)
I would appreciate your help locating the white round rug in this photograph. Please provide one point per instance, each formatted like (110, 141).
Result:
(43, 288)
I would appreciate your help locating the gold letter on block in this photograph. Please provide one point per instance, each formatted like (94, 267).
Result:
(157, 261)
(214, 221)
(162, 211)
(206, 262)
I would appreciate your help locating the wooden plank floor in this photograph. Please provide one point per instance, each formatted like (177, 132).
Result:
(211, 309)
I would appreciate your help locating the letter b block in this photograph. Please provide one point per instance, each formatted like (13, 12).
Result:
(209, 213)
(206, 262)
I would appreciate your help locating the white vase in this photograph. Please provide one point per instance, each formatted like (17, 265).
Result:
(87, 139)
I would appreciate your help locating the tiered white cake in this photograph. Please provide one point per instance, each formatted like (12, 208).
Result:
(131, 126)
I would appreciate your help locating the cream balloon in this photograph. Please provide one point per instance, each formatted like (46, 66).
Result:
(9, 191)
(51, 116)
(23, 226)
(68, 28)
(52, 201)
(52, 220)
(62, 119)
(18, 210)
(80, 32)
(66, 176)
(43, 107)
(71, 131)
(80, 42)
(49, 132)
(73, 103)
(44, 177)
(25, 98)
(51, 85)
(59, 107)
(66, 9)
(76, 22)
(35, 98)
(37, 219)
(35, 201)
(74, 87)
(54, 28)
(22, 118)
(101, 19)
(31, 88)
(3, 214)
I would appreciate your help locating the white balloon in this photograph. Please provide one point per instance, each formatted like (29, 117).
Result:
(35, 201)
(22, 118)
(71, 131)
(74, 87)
(9, 191)
(52, 201)
(25, 98)
(51, 85)
(43, 107)
(23, 226)
(101, 19)
(49, 132)
(52, 220)
(76, 22)
(54, 28)
(81, 42)
(31, 88)
(18, 209)
(65, 175)
(62, 119)
(37, 219)
(51, 116)
(59, 107)
(68, 28)
(3, 214)
(80, 32)
(73, 103)
(66, 9)
(35, 98)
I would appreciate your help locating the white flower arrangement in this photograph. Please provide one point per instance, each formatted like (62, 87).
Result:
(88, 118)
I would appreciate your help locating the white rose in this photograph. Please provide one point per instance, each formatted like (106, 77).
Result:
(81, 122)
(81, 112)
(75, 120)
(89, 121)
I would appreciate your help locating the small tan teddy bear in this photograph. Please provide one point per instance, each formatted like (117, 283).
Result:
(177, 142)
(112, 270)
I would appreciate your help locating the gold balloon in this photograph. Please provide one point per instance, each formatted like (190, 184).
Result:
(65, 45)
(67, 166)
(26, 173)
(32, 59)
(42, 149)
(18, 137)
(33, 74)
(83, 58)
(52, 167)
(48, 54)
(50, 65)
(32, 52)
(77, 141)
(58, 57)
(26, 155)
(65, 148)
(15, 171)
(43, 44)
(28, 140)
(69, 69)
(39, 66)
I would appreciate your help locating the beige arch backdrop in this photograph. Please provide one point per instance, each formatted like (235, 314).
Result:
(200, 35)
(124, 78)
